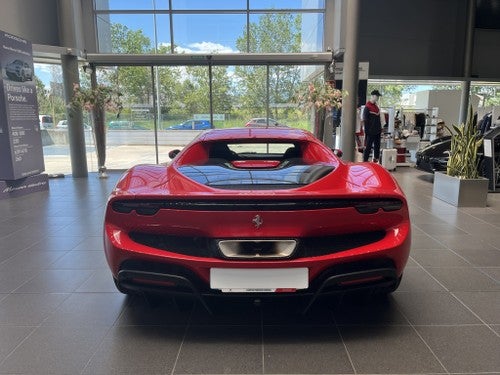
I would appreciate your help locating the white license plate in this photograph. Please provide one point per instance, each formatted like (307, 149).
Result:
(251, 280)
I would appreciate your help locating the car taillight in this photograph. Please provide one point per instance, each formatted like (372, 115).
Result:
(372, 207)
(142, 208)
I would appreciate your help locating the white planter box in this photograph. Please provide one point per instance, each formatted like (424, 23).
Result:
(460, 192)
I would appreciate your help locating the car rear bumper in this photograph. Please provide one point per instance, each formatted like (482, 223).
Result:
(354, 277)
(139, 267)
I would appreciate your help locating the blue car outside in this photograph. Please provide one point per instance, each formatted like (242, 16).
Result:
(192, 125)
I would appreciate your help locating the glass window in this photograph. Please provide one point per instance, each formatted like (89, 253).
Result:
(163, 33)
(311, 30)
(130, 4)
(286, 32)
(261, 148)
(183, 105)
(129, 139)
(286, 83)
(225, 99)
(208, 5)
(209, 33)
(287, 4)
(126, 33)
(250, 89)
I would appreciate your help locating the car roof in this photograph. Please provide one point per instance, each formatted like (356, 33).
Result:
(257, 134)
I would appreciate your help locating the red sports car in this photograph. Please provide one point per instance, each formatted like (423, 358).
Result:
(251, 211)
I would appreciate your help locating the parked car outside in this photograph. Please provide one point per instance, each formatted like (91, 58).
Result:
(19, 70)
(192, 125)
(261, 122)
(46, 122)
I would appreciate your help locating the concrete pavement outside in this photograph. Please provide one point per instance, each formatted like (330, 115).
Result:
(57, 158)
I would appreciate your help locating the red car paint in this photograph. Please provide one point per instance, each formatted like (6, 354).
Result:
(345, 181)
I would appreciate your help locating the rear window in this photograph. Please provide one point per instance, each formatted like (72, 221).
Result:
(245, 149)
(46, 119)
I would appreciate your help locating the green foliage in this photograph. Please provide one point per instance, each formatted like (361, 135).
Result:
(134, 81)
(489, 93)
(391, 94)
(277, 33)
(463, 161)
(239, 92)
(48, 102)
(124, 40)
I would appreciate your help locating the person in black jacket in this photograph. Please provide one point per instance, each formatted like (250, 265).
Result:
(370, 120)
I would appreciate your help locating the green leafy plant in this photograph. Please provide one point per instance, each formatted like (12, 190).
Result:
(465, 141)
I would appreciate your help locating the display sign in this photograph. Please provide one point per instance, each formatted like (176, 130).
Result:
(23, 186)
(21, 153)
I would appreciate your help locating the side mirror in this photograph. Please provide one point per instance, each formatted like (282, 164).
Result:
(337, 152)
(172, 154)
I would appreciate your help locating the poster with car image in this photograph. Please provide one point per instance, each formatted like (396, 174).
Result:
(21, 153)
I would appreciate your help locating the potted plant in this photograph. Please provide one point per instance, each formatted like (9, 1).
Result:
(461, 185)
(98, 101)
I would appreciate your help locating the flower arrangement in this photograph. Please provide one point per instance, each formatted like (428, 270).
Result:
(323, 96)
(97, 101)
(102, 97)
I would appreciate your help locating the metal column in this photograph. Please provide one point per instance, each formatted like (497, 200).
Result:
(350, 81)
(71, 36)
(469, 46)
(76, 134)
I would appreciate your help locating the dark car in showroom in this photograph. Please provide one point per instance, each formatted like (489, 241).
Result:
(192, 125)
(435, 156)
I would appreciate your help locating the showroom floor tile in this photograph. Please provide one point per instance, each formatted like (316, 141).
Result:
(61, 314)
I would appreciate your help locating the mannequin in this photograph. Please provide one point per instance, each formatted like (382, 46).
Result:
(372, 125)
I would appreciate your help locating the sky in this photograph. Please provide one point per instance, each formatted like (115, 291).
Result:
(195, 33)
